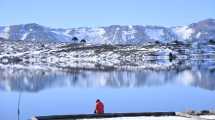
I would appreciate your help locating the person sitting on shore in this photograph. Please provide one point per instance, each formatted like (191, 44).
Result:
(99, 107)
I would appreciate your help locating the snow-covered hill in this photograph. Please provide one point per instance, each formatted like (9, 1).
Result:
(115, 34)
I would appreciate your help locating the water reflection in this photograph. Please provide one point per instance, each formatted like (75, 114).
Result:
(192, 73)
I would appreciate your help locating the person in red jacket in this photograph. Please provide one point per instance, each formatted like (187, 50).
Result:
(99, 107)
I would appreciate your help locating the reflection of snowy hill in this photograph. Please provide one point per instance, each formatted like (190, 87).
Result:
(33, 79)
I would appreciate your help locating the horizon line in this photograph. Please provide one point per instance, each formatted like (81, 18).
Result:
(47, 26)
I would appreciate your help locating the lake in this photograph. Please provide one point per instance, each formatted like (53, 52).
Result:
(42, 90)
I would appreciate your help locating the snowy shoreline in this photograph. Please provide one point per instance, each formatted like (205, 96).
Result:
(101, 57)
(202, 115)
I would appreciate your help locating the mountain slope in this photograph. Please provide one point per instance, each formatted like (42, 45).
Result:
(115, 34)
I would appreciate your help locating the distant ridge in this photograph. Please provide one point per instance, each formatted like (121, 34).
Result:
(114, 34)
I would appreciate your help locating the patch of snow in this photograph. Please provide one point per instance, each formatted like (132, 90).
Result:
(183, 32)
(128, 34)
(94, 35)
(100, 31)
(198, 34)
(56, 32)
(66, 33)
(147, 118)
(115, 34)
(130, 27)
(7, 29)
(209, 117)
(24, 36)
(117, 28)
(63, 36)
(5, 33)
(155, 34)
(81, 33)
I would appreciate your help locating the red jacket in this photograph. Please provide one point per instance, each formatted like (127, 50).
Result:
(99, 107)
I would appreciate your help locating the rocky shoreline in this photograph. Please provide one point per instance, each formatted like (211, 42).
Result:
(87, 56)
(190, 115)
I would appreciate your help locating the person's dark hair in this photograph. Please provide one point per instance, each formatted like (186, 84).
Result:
(97, 100)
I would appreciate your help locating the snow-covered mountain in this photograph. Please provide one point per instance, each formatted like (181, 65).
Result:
(40, 65)
(115, 34)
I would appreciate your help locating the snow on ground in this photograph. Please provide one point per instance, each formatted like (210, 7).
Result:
(64, 35)
(210, 117)
(155, 34)
(128, 34)
(198, 35)
(5, 34)
(91, 56)
(93, 35)
(99, 31)
(68, 31)
(183, 32)
(24, 36)
(56, 32)
(96, 35)
(204, 117)
(146, 118)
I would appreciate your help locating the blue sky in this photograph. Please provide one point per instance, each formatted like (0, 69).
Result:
(78, 13)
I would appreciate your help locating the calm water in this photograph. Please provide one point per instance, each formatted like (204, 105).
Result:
(47, 91)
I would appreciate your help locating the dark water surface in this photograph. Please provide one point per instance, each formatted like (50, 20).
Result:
(46, 91)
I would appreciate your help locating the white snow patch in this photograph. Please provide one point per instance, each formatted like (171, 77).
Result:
(129, 34)
(183, 32)
(198, 34)
(92, 35)
(24, 36)
(155, 34)
(147, 118)
(210, 117)
(66, 33)
(98, 31)
(5, 33)
(130, 27)
(7, 29)
(63, 36)
(96, 35)
(115, 33)
(56, 32)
